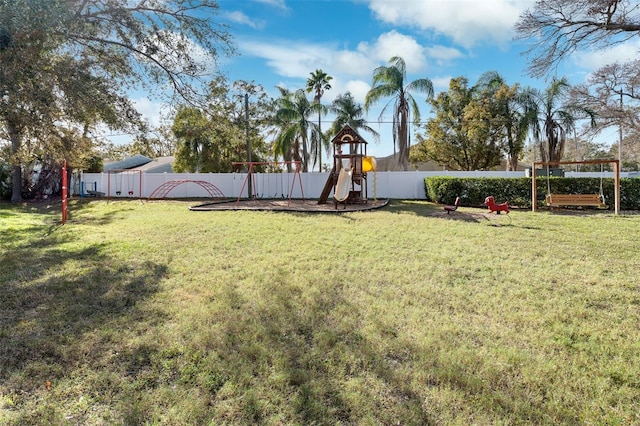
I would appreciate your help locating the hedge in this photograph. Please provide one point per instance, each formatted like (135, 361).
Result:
(517, 191)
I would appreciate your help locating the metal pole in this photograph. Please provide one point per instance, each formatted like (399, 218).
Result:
(249, 170)
(620, 131)
(616, 186)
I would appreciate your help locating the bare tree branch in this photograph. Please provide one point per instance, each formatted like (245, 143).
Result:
(558, 28)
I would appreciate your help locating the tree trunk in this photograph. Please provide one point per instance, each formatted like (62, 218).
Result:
(320, 146)
(305, 156)
(16, 175)
(404, 142)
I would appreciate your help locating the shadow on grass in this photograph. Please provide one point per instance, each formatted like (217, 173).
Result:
(13, 232)
(317, 353)
(418, 208)
(101, 218)
(52, 297)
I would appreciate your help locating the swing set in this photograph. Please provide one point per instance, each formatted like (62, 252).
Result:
(132, 179)
(578, 200)
(251, 184)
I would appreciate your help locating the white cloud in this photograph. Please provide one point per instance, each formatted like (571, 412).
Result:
(150, 110)
(358, 89)
(442, 54)
(241, 18)
(356, 63)
(466, 22)
(441, 84)
(593, 60)
(290, 59)
(279, 4)
(296, 60)
(393, 44)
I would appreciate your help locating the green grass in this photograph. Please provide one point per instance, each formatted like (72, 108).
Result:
(148, 313)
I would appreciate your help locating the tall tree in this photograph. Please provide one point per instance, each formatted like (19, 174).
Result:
(211, 139)
(613, 91)
(556, 116)
(558, 28)
(348, 112)
(293, 113)
(152, 147)
(318, 83)
(390, 81)
(464, 134)
(512, 110)
(72, 61)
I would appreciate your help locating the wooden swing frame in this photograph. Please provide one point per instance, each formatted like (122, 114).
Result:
(577, 199)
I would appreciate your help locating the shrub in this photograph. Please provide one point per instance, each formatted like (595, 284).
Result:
(517, 191)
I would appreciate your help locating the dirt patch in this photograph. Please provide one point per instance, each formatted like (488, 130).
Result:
(290, 205)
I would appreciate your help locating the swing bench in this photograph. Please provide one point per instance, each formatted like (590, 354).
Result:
(579, 200)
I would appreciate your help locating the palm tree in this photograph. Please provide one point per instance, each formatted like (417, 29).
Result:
(318, 83)
(349, 112)
(292, 115)
(556, 118)
(390, 82)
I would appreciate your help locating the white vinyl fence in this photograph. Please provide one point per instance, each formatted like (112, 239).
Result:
(395, 185)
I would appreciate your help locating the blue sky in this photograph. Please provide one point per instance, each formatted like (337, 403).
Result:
(280, 42)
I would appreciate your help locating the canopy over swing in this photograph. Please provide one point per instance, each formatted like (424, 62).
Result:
(596, 200)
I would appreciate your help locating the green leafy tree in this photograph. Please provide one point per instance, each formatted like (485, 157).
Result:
(195, 152)
(513, 111)
(152, 146)
(318, 83)
(390, 82)
(464, 134)
(69, 63)
(212, 139)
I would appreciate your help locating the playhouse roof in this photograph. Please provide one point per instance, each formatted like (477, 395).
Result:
(347, 135)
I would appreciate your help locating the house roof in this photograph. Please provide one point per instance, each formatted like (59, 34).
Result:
(158, 165)
(128, 163)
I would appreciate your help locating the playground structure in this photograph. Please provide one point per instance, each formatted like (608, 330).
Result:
(348, 177)
(132, 179)
(163, 190)
(578, 200)
(491, 204)
(251, 183)
(83, 188)
(452, 208)
(90, 189)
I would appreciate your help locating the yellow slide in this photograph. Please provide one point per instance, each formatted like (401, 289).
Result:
(342, 187)
(368, 164)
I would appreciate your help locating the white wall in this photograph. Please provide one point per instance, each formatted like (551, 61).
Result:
(397, 185)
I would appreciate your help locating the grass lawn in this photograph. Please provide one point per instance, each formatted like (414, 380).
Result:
(148, 313)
